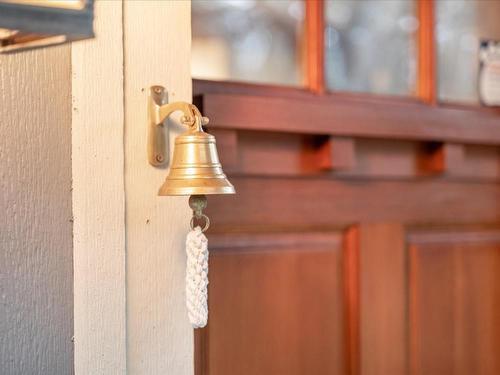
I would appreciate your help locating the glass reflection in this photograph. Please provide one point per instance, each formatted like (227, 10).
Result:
(256, 41)
(460, 24)
(370, 46)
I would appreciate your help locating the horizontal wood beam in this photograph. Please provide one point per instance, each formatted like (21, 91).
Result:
(456, 236)
(263, 153)
(349, 116)
(304, 241)
(282, 203)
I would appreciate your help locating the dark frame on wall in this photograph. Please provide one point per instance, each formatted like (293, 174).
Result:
(34, 26)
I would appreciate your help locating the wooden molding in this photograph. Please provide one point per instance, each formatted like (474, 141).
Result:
(315, 28)
(350, 275)
(374, 284)
(343, 202)
(341, 115)
(426, 88)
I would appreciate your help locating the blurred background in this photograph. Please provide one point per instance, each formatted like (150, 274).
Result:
(364, 236)
(369, 46)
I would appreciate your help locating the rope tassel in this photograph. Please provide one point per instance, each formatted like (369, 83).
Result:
(197, 277)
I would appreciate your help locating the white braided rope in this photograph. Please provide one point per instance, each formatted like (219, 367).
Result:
(197, 277)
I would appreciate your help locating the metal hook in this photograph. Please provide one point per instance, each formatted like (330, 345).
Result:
(198, 203)
(207, 222)
(158, 111)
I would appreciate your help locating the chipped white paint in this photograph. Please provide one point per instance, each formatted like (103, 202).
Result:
(157, 37)
(36, 273)
(99, 197)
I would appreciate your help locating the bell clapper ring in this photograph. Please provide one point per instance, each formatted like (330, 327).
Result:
(198, 203)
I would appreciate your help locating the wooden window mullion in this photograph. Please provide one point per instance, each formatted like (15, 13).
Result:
(315, 45)
(426, 87)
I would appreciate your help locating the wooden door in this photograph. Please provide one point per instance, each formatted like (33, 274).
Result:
(351, 249)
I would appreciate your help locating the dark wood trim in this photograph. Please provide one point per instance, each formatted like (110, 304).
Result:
(383, 332)
(281, 204)
(202, 87)
(343, 115)
(413, 321)
(455, 235)
(315, 26)
(200, 351)
(250, 242)
(351, 300)
(426, 88)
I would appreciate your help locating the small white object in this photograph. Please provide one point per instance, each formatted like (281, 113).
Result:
(197, 277)
(489, 72)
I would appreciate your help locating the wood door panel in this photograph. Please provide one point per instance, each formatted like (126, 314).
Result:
(275, 306)
(454, 294)
(382, 293)
(377, 299)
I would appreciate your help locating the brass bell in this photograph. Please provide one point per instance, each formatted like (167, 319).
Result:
(195, 171)
(195, 168)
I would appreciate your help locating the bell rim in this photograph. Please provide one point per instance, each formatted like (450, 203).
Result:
(216, 190)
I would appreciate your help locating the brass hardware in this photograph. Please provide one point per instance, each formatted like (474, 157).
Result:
(157, 138)
(198, 203)
(195, 168)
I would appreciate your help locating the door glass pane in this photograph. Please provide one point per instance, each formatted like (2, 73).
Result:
(253, 41)
(371, 46)
(460, 24)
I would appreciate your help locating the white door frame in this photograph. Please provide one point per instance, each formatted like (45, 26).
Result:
(128, 243)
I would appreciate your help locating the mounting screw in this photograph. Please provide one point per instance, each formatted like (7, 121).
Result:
(159, 158)
(158, 90)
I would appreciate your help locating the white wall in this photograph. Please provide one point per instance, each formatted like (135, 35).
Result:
(79, 112)
(129, 259)
(36, 273)
(99, 197)
(157, 38)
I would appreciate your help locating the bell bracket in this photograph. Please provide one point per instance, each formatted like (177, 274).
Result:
(158, 111)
